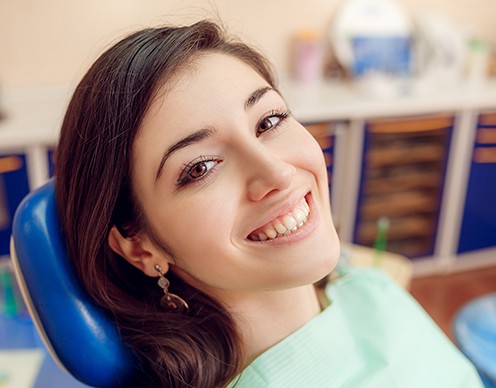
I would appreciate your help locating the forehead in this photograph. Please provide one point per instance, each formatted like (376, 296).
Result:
(201, 91)
(207, 75)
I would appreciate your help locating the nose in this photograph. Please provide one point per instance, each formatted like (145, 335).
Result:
(267, 173)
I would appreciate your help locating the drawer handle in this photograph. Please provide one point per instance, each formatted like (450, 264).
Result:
(10, 163)
(485, 155)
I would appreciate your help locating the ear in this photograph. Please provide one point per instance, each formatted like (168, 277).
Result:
(139, 251)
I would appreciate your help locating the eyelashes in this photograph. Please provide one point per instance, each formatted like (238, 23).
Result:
(200, 168)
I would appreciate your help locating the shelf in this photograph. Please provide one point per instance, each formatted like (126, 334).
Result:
(404, 160)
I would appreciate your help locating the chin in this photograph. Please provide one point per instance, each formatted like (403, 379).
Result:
(323, 265)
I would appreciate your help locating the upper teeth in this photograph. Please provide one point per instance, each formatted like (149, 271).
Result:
(286, 224)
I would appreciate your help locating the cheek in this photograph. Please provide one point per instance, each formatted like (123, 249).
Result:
(202, 241)
(200, 224)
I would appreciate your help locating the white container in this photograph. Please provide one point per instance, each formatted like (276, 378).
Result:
(364, 30)
(478, 63)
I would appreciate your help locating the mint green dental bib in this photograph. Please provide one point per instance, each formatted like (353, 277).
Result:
(374, 334)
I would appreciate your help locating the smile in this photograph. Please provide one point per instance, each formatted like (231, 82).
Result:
(283, 225)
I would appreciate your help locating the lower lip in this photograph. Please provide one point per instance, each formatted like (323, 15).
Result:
(301, 233)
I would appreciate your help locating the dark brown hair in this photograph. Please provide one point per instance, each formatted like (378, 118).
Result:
(94, 191)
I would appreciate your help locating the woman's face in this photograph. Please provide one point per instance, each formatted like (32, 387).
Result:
(232, 184)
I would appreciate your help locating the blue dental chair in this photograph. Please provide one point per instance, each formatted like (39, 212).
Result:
(79, 336)
(474, 328)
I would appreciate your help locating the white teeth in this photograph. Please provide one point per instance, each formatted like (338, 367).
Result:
(299, 216)
(289, 222)
(285, 225)
(280, 228)
(270, 232)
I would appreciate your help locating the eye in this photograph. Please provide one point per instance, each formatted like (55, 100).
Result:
(201, 169)
(197, 170)
(271, 121)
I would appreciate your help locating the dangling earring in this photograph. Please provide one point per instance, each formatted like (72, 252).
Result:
(170, 301)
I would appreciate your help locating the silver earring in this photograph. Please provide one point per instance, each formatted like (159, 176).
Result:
(170, 301)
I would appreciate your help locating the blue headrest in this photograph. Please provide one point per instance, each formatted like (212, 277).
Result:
(83, 338)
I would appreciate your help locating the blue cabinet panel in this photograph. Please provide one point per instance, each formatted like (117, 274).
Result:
(51, 162)
(14, 186)
(478, 228)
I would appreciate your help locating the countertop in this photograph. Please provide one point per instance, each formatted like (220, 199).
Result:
(34, 116)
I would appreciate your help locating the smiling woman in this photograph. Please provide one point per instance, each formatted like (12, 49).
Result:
(179, 161)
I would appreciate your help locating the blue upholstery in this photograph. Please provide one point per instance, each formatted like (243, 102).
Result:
(83, 339)
(474, 328)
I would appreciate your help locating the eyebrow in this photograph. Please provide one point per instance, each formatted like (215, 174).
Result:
(256, 96)
(188, 140)
(203, 134)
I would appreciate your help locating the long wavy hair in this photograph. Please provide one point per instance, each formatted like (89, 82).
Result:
(94, 191)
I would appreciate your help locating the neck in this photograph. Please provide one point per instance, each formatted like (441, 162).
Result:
(268, 317)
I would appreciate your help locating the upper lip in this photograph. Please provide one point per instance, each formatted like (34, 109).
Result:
(277, 208)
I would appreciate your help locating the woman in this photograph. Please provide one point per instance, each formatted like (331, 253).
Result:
(180, 161)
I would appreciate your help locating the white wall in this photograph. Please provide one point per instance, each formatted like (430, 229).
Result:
(52, 42)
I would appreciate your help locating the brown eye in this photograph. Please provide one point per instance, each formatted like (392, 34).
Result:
(268, 123)
(200, 169)
(271, 121)
(197, 170)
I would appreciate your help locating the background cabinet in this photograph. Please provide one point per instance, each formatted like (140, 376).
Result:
(402, 179)
(14, 186)
(478, 229)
